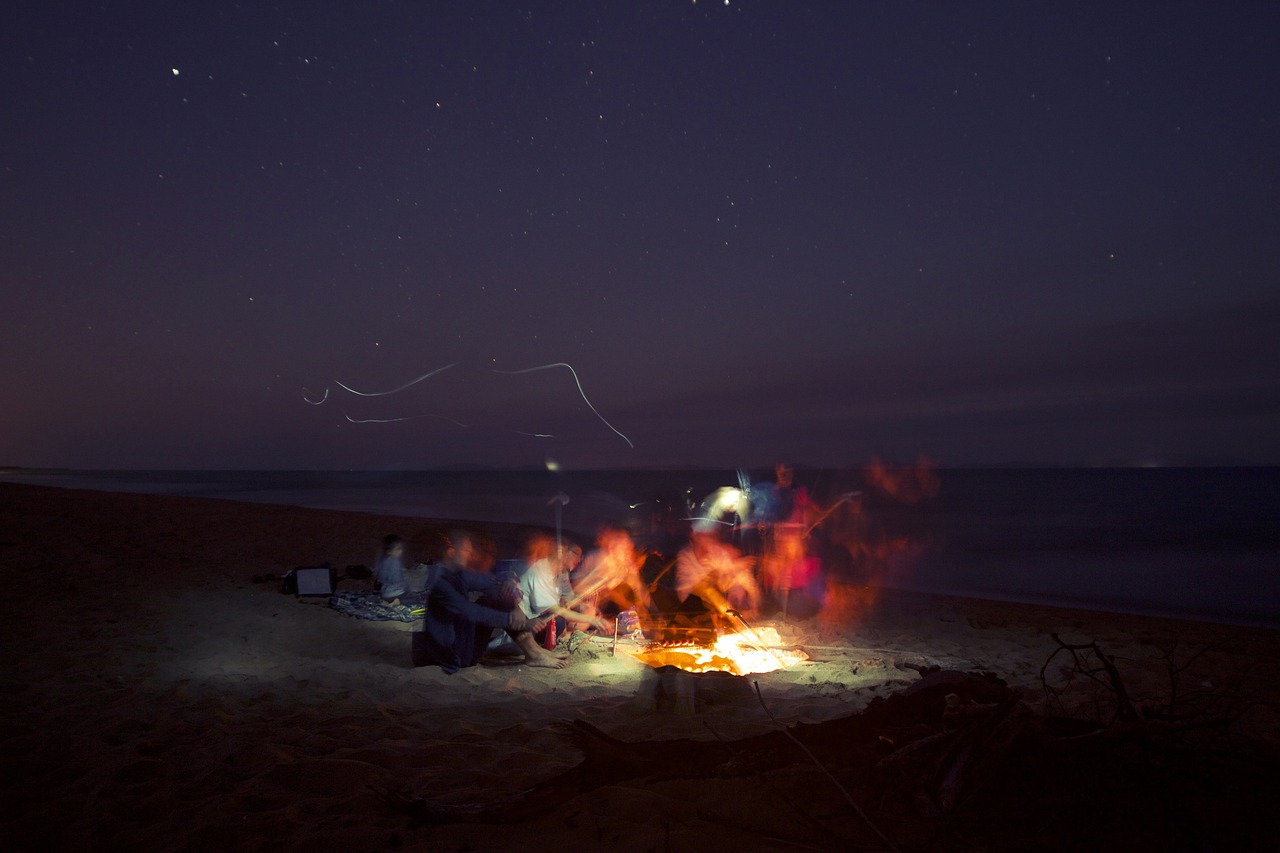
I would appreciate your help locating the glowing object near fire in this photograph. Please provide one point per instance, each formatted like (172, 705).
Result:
(727, 499)
(715, 507)
(738, 654)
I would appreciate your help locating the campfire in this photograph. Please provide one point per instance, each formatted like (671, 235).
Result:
(734, 652)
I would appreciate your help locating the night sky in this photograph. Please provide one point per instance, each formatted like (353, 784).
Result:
(986, 233)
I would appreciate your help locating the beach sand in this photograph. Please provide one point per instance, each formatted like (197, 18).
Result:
(162, 693)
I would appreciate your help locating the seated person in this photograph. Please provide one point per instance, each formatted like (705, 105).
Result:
(608, 581)
(393, 581)
(543, 592)
(712, 573)
(456, 630)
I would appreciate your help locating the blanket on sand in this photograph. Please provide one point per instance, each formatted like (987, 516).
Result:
(367, 604)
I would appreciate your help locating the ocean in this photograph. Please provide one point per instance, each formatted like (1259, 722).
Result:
(1201, 543)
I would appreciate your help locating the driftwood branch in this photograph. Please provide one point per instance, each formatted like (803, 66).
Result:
(843, 790)
(1090, 661)
(952, 758)
(804, 813)
(1178, 711)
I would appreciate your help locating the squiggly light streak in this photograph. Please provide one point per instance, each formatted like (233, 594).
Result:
(574, 373)
(405, 418)
(533, 434)
(393, 390)
(315, 402)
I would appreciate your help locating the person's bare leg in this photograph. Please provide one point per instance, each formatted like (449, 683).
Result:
(534, 654)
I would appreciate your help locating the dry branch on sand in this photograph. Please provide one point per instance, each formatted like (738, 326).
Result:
(1173, 708)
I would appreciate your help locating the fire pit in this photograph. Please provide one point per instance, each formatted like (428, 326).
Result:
(693, 666)
(745, 652)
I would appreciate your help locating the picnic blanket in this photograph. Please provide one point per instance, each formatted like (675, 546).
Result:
(367, 604)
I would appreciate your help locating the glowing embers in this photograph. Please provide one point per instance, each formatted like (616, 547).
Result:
(738, 653)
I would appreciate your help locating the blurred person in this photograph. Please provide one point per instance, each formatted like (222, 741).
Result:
(571, 559)
(781, 502)
(716, 574)
(393, 580)
(608, 581)
(543, 594)
(791, 575)
(457, 630)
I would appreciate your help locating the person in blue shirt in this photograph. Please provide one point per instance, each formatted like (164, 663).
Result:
(456, 629)
(393, 582)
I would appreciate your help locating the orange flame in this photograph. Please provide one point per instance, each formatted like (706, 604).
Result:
(736, 653)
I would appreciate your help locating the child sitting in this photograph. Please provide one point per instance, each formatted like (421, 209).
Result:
(392, 579)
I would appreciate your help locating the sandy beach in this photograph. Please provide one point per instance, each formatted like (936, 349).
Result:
(162, 693)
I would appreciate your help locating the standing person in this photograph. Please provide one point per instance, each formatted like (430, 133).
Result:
(793, 576)
(781, 503)
(393, 581)
(778, 510)
(456, 630)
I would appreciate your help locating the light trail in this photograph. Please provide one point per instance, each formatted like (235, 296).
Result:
(405, 418)
(393, 390)
(577, 382)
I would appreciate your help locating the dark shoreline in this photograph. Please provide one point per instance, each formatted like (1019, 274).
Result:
(505, 538)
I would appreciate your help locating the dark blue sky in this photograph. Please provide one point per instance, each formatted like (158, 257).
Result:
(983, 232)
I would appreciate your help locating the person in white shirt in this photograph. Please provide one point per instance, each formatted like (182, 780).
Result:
(543, 588)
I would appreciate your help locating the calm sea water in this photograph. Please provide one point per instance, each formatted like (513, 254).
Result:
(1197, 542)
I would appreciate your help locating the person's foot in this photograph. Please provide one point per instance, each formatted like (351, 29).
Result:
(545, 659)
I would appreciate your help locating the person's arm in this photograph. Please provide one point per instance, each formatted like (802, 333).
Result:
(689, 573)
(458, 606)
(578, 616)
